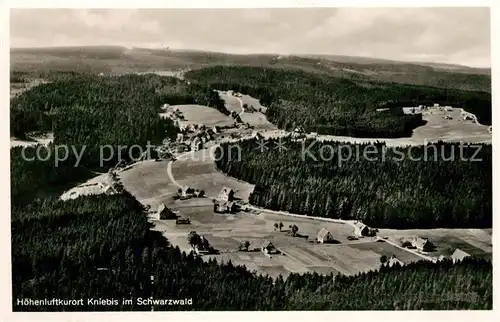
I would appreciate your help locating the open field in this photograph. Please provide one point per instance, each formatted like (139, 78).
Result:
(150, 183)
(199, 114)
(298, 254)
(33, 140)
(257, 119)
(436, 129)
(477, 242)
(118, 60)
(18, 88)
(232, 103)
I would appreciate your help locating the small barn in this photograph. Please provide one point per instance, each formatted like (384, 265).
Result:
(185, 191)
(394, 261)
(221, 206)
(324, 236)
(165, 213)
(422, 244)
(226, 194)
(257, 135)
(268, 248)
(361, 229)
(458, 255)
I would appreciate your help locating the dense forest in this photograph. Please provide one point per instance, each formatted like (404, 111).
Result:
(338, 106)
(439, 185)
(92, 111)
(101, 247)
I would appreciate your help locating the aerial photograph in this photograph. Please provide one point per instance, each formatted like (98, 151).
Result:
(251, 159)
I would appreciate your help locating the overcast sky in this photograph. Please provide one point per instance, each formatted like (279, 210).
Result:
(449, 35)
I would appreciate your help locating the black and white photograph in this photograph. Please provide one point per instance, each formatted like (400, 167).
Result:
(250, 159)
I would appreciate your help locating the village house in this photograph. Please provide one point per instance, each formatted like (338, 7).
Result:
(257, 135)
(184, 191)
(361, 230)
(222, 206)
(467, 116)
(268, 248)
(422, 244)
(298, 131)
(196, 144)
(324, 236)
(165, 213)
(458, 255)
(109, 190)
(226, 194)
(394, 261)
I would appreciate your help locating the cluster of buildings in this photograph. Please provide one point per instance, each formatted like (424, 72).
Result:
(224, 203)
(421, 108)
(233, 93)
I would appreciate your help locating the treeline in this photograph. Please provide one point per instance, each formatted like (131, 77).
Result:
(93, 111)
(337, 106)
(438, 185)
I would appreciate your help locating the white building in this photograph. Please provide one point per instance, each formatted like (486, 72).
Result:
(324, 236)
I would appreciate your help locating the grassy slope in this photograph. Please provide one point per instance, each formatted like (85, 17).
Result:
(114, 59)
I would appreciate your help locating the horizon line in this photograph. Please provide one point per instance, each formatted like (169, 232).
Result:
(388, 60)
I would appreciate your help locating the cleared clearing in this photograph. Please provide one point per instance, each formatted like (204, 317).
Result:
(436, 129)
(33, 140)
(299, 254)
(476, 242)
(199, 114)
(257, 120)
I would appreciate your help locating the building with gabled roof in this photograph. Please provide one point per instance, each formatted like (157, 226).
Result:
(226, 194)
(221, 206)
(268, 248)
(422, 244)
(165, 213)
(360, 229)
(257, 135)
(458, 255)
(324, 236)
(394, 261)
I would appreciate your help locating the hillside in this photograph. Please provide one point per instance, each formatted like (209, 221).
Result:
(337, 106)
(116, 59)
